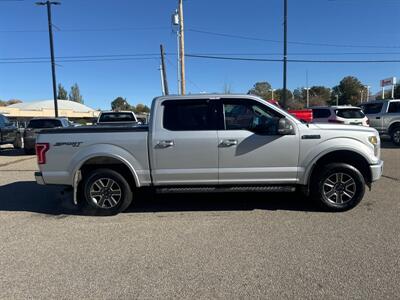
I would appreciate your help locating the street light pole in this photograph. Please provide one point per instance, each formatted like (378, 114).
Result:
(53, 64)
(272, 93)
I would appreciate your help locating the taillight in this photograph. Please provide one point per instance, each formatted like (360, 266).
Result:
(336, 121)
(41, 149)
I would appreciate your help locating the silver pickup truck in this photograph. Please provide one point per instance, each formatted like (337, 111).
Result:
(384, 116)
(211, 143)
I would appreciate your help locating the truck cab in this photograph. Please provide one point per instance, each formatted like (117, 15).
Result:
(384, 116)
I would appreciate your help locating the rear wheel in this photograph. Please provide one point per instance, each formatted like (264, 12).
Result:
(106, 192)
(338, 187)
(395, 135)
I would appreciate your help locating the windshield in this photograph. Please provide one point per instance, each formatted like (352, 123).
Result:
(117, 117)
(44, 123)
(350, 113)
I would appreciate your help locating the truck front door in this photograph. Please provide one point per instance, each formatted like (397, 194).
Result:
(184, 143)
(250, 149)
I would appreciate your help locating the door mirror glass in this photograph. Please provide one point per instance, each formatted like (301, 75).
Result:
(285, 127)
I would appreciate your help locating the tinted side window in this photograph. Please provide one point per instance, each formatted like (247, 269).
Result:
(394, 107)
(44, 123)
(250, 115)
(373, 108)
(189, 115)
(321, 113)
(2, 121)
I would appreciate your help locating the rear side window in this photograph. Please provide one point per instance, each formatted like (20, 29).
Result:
(117, 117)
(44, 123)
(321, 113)
(189, 115)
(350, 113)
(373, 108)
(394, 107)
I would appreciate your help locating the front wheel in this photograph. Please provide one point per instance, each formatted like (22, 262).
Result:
(106, 192)
(395, 135)
(338, 187)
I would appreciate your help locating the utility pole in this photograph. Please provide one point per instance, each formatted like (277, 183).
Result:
(163, 72)
(182, 47)
(284, 53)
(368, 87)
(53, 64)
(337, 100)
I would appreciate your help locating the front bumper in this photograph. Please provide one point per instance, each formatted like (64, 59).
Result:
(376, 171)
(39, 178)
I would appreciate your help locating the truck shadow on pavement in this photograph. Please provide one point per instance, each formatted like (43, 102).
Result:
(31, 197)
(11, 152)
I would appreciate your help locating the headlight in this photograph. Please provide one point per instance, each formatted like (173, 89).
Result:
(373, 140)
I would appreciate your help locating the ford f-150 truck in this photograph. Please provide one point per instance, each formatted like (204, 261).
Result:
(384, 116)
(211, 143)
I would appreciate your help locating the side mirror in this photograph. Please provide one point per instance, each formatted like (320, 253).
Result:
(285, 127)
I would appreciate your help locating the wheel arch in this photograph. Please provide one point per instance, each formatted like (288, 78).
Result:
(393, 125)
(350, 157)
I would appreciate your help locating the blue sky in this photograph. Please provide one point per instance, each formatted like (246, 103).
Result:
(119, 27)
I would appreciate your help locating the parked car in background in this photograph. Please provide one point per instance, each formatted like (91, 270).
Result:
(9, 133)
(304, 115)
(348, 115)
(117, 118)
(384, 116)
(35, 125)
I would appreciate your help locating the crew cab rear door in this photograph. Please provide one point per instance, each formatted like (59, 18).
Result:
(184, 143)
(248, 157)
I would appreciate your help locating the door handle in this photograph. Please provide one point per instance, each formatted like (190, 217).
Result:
(228, 143)
(377, 118)
(165, 144)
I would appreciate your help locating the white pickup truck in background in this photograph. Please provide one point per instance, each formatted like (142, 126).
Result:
(211, 143)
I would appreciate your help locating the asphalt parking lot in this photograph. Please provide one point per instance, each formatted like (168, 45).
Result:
(197, 246)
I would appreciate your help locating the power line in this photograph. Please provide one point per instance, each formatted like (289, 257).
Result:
(290, 42)
(84, 56)
(199, 54)
(88, 29)
(290, 60)
(77, 60)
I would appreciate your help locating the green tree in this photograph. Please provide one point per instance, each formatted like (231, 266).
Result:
(349, 91)
(62, 92)
(120, 103)
(141, 108)
(75, 94)
(262, 90)
(289, 96)
(397, 92)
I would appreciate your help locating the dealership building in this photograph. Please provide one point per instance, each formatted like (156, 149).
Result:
(74, 111)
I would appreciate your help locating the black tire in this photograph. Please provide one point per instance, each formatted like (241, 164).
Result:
(18, 142)
(324, 185)
(395, 135)
(106, 203)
